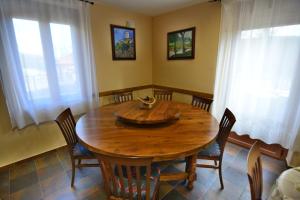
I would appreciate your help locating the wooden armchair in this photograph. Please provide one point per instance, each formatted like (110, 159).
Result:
(215, 150)
(123, 97)
(163, 95)
(78, 152)
(129, 178)
(202, 103)
(255, 172)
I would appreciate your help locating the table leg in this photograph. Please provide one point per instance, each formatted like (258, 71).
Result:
(191, 170)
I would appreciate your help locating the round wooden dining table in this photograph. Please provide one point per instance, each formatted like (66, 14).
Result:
(193, 129)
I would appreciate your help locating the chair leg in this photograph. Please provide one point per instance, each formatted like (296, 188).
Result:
(157, 193)
(220, 175)
(186, 168)
(73, 172)
(186, 165)
(79, 162)
(215, 163)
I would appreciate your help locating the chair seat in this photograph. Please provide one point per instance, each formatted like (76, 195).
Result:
(79, 150)
(212, 150)
(155, 172)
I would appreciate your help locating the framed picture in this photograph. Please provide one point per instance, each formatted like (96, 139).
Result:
(123, 42)
(181, 44)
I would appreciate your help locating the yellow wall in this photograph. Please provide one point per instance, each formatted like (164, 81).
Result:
(17, 145)
(197, 74)
(121, 74)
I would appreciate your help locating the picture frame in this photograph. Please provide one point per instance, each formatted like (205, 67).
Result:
(181, 44)
(123, 42)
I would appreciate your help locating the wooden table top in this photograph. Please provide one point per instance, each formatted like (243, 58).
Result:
(100, 132)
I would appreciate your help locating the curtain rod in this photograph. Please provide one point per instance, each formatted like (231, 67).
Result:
(85, 1)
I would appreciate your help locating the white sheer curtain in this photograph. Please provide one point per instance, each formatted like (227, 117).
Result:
(258, 68)
(47, 61)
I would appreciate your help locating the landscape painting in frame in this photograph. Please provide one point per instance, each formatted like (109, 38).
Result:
(123, 42)
(181, 44)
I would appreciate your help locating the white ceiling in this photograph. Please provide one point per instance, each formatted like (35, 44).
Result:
(151, 7)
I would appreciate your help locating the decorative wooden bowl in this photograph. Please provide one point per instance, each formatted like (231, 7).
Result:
(161, 112)
(147, 103)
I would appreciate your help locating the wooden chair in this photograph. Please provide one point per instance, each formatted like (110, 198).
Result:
(163, 95)
(216, 149)
(129, 178)
(255, 172)
(202, 103)
(78, 152)
(123, 97)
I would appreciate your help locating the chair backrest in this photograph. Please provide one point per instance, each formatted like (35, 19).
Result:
(202, 103)
(255, 172)
(123, 97)
(67, 124)
(123, 177)
(225, 126)
(163, 95)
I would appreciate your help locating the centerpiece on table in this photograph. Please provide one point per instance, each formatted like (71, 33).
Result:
(147, 102)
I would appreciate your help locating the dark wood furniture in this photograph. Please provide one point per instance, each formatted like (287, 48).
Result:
(129, 178)
(78, 152)
(100, 132)
(202, 103)
(161, 112)
(215, 150)
(163, 94)
(123, 97)
(255, 172)
(274, 150)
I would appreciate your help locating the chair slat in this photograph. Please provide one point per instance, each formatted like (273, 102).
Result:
(123, 97)
(138, 182)
(66, 123)
(104, 173)
(121, 177)
(202, 103)
(165, 95)
(148, 183)
(133, 176)
(129, 176)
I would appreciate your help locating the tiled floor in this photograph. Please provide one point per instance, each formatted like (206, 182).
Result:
(48, 177)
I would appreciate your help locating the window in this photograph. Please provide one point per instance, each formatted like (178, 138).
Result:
(32, 58)
(64, 59)
(47, 62)
(258, 69)
(276, 61)
(35, 54)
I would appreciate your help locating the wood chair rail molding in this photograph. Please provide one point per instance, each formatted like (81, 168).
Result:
(153, 86)
(273, 150)
(184, 91)
(129, 89)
